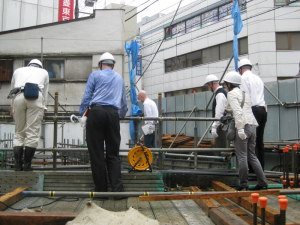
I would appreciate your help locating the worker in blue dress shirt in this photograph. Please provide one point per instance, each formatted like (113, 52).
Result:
(105, 95)
(254, 87)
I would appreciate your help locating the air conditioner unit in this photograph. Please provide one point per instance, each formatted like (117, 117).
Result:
(90, 2)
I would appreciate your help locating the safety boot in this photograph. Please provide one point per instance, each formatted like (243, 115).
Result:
(29, 153)
(18, 152)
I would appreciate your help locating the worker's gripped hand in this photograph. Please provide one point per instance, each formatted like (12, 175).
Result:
(214, 132)
(242, 134)
(82, 122)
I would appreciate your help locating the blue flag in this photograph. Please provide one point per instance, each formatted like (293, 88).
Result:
(133, 47)
(237, 27)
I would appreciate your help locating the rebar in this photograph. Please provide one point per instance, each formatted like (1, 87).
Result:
(282, 217)
(263, 216)
(254, 213)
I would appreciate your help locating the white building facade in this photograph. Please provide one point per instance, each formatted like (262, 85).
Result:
(199, 42)
(17, 14)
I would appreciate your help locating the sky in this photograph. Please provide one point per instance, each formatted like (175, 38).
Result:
(160, 6)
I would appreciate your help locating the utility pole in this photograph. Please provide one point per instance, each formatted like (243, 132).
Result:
(76, 10)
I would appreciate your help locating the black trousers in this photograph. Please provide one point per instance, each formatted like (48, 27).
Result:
(149, 140)
(103, 125)
(260, 115)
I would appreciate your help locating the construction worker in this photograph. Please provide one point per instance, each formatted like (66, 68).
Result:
(218, 107)
(254, 87)
(28, 113)
(105, 95)
(240, 106)
(150, 110)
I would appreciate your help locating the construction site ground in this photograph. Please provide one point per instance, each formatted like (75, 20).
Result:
(199, 211)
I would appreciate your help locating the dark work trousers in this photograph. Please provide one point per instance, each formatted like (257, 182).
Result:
(149, 140)
(260, 115)
(103, 126)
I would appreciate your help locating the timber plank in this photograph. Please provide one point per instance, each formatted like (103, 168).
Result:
(221, 218)
(205, 204)
(12, 197)
(174, 215)
(160, 213)
(237, 211)
(191, 212)
(146, 210)
(272, 215)
(29, 218)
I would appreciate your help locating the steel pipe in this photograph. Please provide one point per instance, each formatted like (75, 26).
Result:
(198, 156)
(211, 173)
(127, 150)
(125, 194)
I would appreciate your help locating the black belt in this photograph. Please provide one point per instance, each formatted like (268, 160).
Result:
(257, 106)
(106, 106)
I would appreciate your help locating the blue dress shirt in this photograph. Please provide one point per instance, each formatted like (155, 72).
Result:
(105, 87)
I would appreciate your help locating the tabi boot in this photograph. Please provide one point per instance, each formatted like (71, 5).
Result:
(18, 152)
(29, 153)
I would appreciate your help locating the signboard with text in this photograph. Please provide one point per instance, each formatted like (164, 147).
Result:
(66, 9)
(139, 66)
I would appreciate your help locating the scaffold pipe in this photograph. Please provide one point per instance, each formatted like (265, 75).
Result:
(132, 194)
(127, 150)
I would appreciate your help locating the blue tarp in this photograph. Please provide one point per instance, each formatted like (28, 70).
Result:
(237, 27)
(134, 49)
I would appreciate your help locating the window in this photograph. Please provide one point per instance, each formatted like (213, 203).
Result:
(210, 54)
(287, 2)
(243, 46)
(226, 50)
(168, 33)
(6, 69)
(288, 41)
(212, 16)
(194, 58)
(55, 68)
(207, 55)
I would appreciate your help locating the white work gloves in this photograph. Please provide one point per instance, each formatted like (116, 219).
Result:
(82, 122)
(214, 132)
(242, 134)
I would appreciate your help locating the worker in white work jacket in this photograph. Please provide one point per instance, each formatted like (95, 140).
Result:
(28, 111)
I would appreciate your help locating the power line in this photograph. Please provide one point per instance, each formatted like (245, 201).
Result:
(159, 45)
(141, 11)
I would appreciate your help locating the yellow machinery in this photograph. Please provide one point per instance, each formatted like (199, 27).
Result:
(140, 158)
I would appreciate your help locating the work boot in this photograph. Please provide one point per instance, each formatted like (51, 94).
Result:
(29, 153)
(18, 152)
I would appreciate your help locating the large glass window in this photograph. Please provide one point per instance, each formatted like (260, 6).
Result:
(210, 54)
(207, 55)
(287, 2)
(295, 41)
(168, 33)
(288, 41)
(193, 23)
(194, 58)
(181, 28)
(243, 46)
(226, 50)
(55, 68)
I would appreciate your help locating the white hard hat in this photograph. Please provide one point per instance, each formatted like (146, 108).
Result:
(35, 62)
(233, 77)
(107, 58)
(211, 78)
(244, 62)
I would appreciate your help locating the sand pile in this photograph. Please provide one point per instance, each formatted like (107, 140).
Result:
(93, 214)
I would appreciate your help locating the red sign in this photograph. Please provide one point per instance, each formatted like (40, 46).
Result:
(66, 9)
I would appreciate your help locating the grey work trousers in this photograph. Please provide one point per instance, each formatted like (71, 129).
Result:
(28, 115)
(245, 151)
